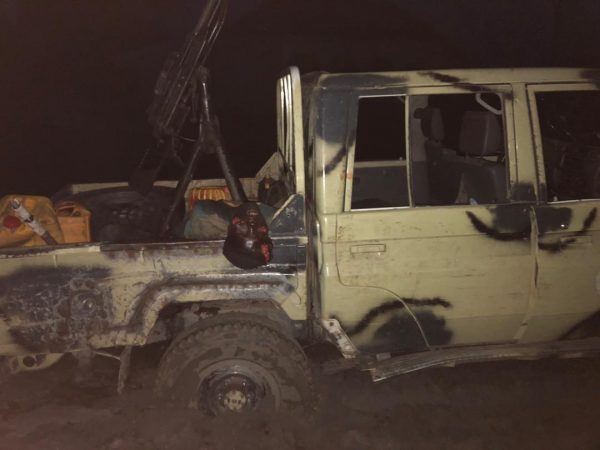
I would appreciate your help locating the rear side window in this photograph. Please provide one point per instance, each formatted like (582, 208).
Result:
(570, 128)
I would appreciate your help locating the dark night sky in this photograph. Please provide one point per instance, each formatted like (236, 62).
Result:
(77, 77)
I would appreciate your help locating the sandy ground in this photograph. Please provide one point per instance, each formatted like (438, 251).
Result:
(551, 404)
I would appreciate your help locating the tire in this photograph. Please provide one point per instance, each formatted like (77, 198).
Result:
(235, 363)
(122, 215)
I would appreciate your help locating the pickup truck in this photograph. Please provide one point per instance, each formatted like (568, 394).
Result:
(429, 218)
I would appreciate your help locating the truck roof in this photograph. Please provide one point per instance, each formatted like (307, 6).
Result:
(457, 77)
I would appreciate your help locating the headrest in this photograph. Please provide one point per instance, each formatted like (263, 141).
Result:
(432, 125)
(480, 134)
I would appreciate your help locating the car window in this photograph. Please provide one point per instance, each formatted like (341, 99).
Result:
(570, 137)
(380, 175)
(456, 155)
(458, 150)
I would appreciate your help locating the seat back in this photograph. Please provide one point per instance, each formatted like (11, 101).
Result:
(484, 181)
(455, 178)
(443, 175)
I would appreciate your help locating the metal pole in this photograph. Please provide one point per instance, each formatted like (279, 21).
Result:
(233, 183)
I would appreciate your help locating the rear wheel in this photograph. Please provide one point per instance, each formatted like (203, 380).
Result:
(235, 364)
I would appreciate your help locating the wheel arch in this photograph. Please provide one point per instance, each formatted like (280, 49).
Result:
(266, 312)
(261, 293)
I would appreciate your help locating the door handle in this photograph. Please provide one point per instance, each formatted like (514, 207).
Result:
(368, 248)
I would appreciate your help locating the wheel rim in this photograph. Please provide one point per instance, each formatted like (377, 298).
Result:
(237, 387)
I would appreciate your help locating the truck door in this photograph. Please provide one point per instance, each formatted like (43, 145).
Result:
(567, 140)
(429, 230)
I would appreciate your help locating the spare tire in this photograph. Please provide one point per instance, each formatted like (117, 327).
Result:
(123, 215)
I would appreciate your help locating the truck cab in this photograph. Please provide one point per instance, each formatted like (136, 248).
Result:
(454, 208)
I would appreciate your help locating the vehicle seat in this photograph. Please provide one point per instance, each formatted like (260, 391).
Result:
(432, 127)
(443, 184)
(483, 181)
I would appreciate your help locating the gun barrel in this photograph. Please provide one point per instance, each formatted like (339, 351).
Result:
(175, 80)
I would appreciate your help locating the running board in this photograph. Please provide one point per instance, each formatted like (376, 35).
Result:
(388, 368)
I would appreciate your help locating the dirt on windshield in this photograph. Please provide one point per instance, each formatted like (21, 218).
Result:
(538, 404)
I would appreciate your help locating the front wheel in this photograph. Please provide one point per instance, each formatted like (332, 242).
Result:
(235, 364)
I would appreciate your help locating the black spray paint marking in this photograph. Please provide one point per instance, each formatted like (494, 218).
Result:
(522, 192)
(553, 219)
(394, 305)
(549, 219)
(335, 161)
(513, 217)
(459, 83)
(399, 334)
(493, 233)
(560, 245)
(434, 327)
(442, 77)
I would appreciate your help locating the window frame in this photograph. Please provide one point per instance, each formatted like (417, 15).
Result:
(505, 89)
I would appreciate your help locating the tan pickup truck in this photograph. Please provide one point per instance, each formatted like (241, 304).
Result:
(429, 218)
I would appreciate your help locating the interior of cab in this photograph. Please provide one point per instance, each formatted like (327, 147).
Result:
(472, 172)
(570, 136)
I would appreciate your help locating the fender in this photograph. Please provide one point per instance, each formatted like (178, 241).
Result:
(240, 292)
